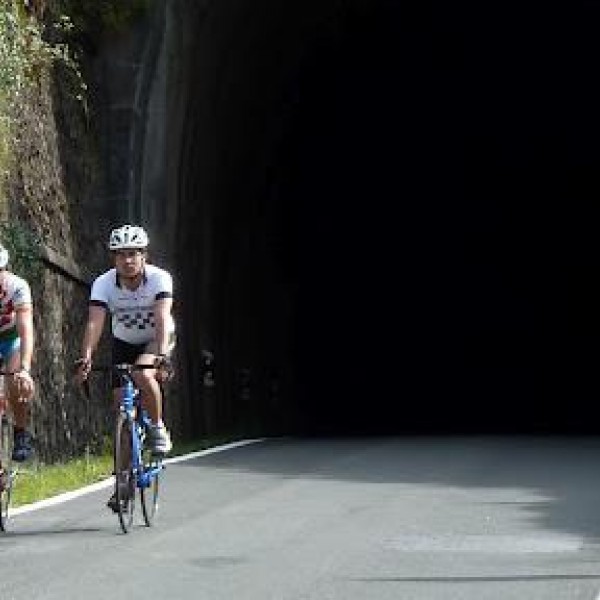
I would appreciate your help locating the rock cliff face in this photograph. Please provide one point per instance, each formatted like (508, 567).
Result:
(50, 193)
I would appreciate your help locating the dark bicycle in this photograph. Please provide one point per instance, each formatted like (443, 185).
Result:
(135, 467)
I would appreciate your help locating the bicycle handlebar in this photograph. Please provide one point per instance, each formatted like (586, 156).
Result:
(122, 367)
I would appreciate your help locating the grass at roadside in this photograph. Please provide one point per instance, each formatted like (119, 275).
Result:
(39, 481)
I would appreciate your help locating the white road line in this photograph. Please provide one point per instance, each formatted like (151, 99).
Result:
(99, 485)
(199, 453)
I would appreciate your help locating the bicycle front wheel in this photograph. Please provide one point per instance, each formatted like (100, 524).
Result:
(125, 483)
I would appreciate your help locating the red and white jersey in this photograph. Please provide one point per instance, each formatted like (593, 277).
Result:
(14, 292)
(132, 311)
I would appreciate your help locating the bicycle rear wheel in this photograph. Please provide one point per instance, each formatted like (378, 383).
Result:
(124, 474)
(6, 478)
(149, 495)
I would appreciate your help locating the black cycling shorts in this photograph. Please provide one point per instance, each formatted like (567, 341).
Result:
(124, 352)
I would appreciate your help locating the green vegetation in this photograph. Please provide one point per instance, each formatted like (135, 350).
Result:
(91, 20)
(38, 482)
(24, 249)
(28, 49)
(44, 481)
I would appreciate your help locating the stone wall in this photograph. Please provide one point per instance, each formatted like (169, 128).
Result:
(50, 192)
(65, 421)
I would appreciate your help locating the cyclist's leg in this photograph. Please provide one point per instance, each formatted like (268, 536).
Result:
(147, 382)
(116, 394)
(3, 391)
(3, 449)
(122, 353)
(159, 439)
(18, 400)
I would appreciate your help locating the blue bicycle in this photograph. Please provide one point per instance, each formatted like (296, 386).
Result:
(135, 467)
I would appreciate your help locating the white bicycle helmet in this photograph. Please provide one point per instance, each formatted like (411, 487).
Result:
(3, 257)
(128, 236)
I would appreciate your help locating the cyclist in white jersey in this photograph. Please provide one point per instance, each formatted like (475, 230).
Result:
(16, 352)
(139, 298)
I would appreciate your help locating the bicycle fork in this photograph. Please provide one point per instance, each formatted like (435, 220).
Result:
(145, 475)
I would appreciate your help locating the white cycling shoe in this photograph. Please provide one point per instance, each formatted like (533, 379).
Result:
(158, 440)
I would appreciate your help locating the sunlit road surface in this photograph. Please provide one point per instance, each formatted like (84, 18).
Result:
(347, 519)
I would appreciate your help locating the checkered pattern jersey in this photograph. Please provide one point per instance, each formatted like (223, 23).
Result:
(132, 311)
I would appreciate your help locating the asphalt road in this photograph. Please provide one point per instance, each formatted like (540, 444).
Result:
(422, 518)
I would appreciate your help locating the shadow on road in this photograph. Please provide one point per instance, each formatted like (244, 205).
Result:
(557, 477)
(16, 533)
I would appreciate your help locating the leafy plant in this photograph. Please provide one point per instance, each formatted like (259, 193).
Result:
(94, 19)
(24, 250)
(28, 49)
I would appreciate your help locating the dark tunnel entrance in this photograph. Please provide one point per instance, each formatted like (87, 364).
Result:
(391, 213)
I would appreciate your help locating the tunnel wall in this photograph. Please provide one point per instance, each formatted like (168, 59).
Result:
(299, 153)
(383, 201)
(227, 126)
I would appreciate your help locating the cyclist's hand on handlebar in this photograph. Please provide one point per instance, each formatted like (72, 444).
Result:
(83, 367)
(25, 384)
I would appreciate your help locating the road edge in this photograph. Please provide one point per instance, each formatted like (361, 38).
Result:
(104, 483)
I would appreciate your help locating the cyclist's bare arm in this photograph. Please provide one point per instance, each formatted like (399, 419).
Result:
(24, 323)
(91, 337)
(162, 312)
